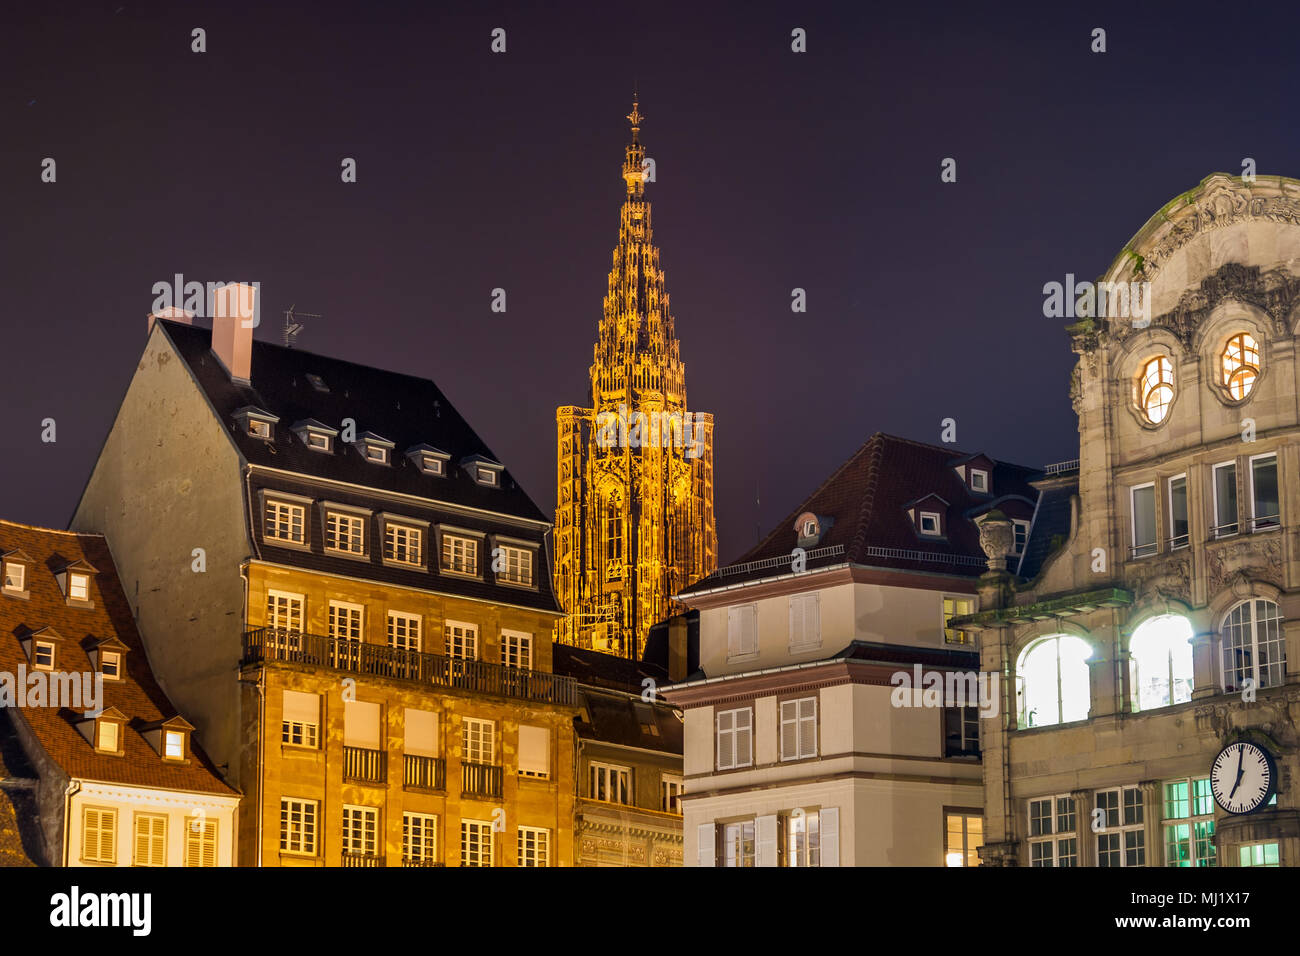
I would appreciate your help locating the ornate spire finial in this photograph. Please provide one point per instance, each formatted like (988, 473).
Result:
(633, 173)
(635, 117)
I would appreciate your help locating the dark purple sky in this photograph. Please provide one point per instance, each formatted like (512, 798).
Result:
(477, 171)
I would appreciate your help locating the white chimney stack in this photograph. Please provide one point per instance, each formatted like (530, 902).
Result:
(234, 316)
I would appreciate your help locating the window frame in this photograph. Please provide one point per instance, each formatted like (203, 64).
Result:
(483, 843)
(1254, 646)
(422, 839)
(289, 506)
(1219, 525)
(1146, 388)
(109, 813)
(737, 649)
(1144, 550)
(1053, 838)
(312, 826)
(517, 644)
(799, 720)
(149, 819)
(921, 517)
(365, 825)
(734, 732)
(1255, 519)
(604, 776)
(393, 529)
(471, 634)
(334, 519)
(447, 546)
(1124, 828)
(1190, 819)
(966, 815)
(476, 743)
(1174, 539)
(539, 854)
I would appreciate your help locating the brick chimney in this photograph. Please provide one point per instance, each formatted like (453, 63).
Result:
(677, 647)
(234, 314)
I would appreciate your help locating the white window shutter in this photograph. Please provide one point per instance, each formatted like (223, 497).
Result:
(830, 823)
(745, 739)
(796, 621)
(733, 630)
(751, 630)
(726, 742)
(421, 733)
(706, 852)
(812, 618)
(361, 724)
(789, 730)
(808, 727)
(765, 848)
(301, 708)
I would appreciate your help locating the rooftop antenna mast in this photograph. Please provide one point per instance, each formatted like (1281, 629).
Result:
(292, 327)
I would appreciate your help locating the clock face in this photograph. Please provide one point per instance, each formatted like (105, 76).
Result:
(1242, 778)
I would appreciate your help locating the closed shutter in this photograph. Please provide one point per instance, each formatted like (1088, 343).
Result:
(749, 634)
(726, 740)
(421, 733)
(808, 727)
(796, 621)
(830, 822)
(200, 842)
(707, 851)
(790, 729)
(301, 708)
(534, 750)
(99, 835)
(812, 618)
(744, 738)
(766, 849)
(150, 839)
(361, 724)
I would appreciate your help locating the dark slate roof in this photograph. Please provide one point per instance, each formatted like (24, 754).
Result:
(867, 497)
(656, 643)
(401, 408)
(1051, 518)
(597, 669)
(20, 837)
(874, 651)
(621, 719)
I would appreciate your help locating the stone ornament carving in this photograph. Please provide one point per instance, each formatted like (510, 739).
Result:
(997, 538)
(1170, 579)
(1249, 560)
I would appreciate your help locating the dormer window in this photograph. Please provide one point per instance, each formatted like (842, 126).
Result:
(483, 470)
(810, 528)
(108, 656)
(169, 738)
(78, 586)
(259, 429)
(375, 449)
(486, 476)
(377, 454)
(256, 422)
(317, 382)
(173, 745)
(431, 461)
(107, 731)
(107, 736)
(15, 574)
(979, 481)
(74, 581)
(930, 523)
(110, 664)
(43, 656)
(316, 435)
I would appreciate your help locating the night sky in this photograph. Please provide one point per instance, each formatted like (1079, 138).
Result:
(477, 170)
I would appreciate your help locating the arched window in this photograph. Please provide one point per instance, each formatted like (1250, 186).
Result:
(1161, 662)
(1156, 388)
(1240, 361)
(613, 540)
(1253, 646)
(1052, 681)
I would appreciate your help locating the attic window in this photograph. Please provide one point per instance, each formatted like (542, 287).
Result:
(108, 732)
(645, 715)
(78, 586)
(430, 460)
(317, 382)
(318, 442)
(316, 435)
(486, 476)
(377, 454)
(43, 656)
(74, 581)
(173, 745)
(256, 422)
(110, 664)
(930, 523)
(374, 449)
(483, 470)
(15, 576)
(979, 481)
(810, 528)
(259, 429)
(431, 465)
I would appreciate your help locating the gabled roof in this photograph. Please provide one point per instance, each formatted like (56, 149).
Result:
(868, 496)
(404, 409)
(136, 696)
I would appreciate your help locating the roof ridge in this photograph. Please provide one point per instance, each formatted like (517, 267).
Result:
(45, 530)
(868, 502)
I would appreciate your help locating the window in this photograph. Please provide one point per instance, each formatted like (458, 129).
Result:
(316, 382)
(1189, 823)
(78, 587)
(98, 835)
(150, 839)
(610, 783)
(645, 715)
(961, 731)
(298, 826)
(956, 607)
(300, 725)
(404, 631)
(1264, 510)
(1020, 535)
(200, 841)
(459, 555)
(670, 794)
(1259, 854)
(345, 533)
(1225, 499)
(963, 835)
(1240, 359)
(534, 846)
(516, 649)
(799, 728)
(930, 523)
(1253, 646)
(979, 481)
(345, 621)
(362, 724)
(462, 640)
(43, 656)
(803, 845)
(1178, 524)
(805, 621)
(318, 441)
(1156, 389)
(15, 576)
(475, 843)
(259, 429)
(360, 831)
(429, 460)
(613, 540)
(738, 844)
(1121, 839)
(110, 664)
(810, 528)
(419, 838)
(284, 612)
(735, 738)
(486, 476)
(742, 630)
(108, 736)
(284, 522)
(375, 454)
(516, 566)
(173, 745)
(421, 733)
(1052, 682)
(403, 544)
(1143, 499)
(479, 739)
(1052, 840)
(534, 751)
(1160, 658)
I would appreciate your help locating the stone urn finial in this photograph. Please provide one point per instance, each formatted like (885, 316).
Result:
(997, 538)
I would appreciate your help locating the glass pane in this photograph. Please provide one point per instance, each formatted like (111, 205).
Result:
(1225, 499)
(1144, 520)
(1178, 511)
(1264, 488)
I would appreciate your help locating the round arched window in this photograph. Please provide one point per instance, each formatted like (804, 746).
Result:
(1156, 389)
(1052, 681)
(1161, 658)
(1240, 361)
(1254, 648)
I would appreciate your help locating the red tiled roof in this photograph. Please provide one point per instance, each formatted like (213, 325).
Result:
(137, 696)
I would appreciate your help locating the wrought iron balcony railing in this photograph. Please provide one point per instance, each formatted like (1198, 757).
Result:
(365, 765)
(361, 859)
(408, 861)
(424, 773)
(432, 670)
(480, 780)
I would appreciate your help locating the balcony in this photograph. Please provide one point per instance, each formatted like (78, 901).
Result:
(480, 780)
(424, 773)
(407, 861)
(360, 859)
(431, 670)
(365, 766)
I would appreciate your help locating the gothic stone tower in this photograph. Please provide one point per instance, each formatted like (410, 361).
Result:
(634, 496)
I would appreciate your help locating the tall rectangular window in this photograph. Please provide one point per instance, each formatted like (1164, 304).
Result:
(1179, 528)
(735, 738)
(15, 576)
(419, 838)
(738, 844)
(805, 621)
(150, 839)
(459, 555)
(670, 793)
(1052, 839)
(1225, 499)
(534, 845)
(345, 533)
(361, 831)
(742, 630)
(98, 835)
(475, 843)
(345, 621)
(403, 544)
(404, 631)
(284, 611)
(956, 607)
(1121, 840)
(298, 826)
(1019, 535)
(1144, 520)
(610, 783)
(961, 731)
(1265, 512)
(300, 720)
(799, 728)
(479, 740)
(284, 522)
(963, 835)
(1189, 823)
(534, 751)
(462, 640)
(516, 649)
(200, 841)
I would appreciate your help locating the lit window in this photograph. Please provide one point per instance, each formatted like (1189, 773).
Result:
(15, 576)
(174, 747)
(1121, 836)
(810, 529)
(1052, 839)
(98, 835)
(459, 555)
(1240, 360)
(1156, 389)
(613, 540)
(670, 794)
(79, 586)
(1253, 646)
(1189, 823)
(419, 838)
(360, 831)
(43, 656)
(1259, 854)
(259, 429)
(534, 845)
(110, 664)
(516, 566)
(963, 836)
(735, 735)
(150, 839)
(799, 728)
(803, 844)
(930, 523)
(475, 843)
(1265, 511)
(345, 533)
(298, 826)
(956, 607)
(403, 544)
(738, 844)
(107, 736)
(1052, 681)
(1225, 499)
(377, 454)
(284, 522)
(1161, 662)
(462, 641)
(317, 441)
(516, 649)
(610, 783)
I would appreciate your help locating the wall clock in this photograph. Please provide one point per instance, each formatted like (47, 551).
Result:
(1243, 777)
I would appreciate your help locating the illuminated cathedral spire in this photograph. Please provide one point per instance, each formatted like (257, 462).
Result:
(634, 497)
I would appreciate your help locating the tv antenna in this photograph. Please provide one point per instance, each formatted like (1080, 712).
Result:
(292, 327)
